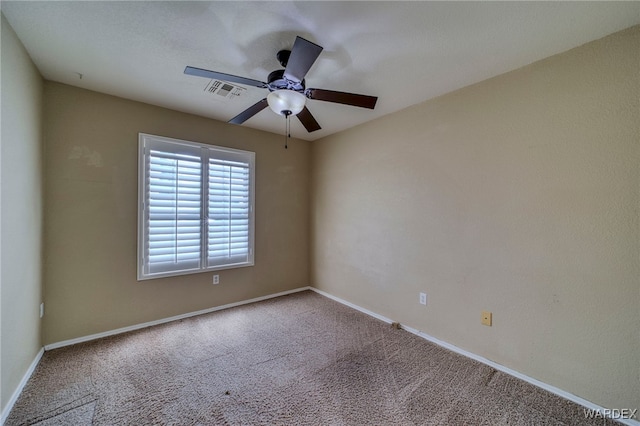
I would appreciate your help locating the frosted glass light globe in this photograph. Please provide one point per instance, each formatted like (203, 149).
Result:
(286, 100)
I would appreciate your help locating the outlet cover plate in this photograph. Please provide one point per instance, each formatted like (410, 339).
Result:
(423, 299)
(486, 318)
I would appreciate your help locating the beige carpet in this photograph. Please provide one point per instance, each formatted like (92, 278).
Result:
(300, 359)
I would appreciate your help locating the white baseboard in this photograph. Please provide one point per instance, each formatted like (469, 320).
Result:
(165, 320)
(351, 305)
(557, 391)
(21, 385)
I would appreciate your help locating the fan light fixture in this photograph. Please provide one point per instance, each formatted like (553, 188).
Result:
(288, 92)
(286, 102)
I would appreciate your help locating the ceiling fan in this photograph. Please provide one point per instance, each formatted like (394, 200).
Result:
(288, 92)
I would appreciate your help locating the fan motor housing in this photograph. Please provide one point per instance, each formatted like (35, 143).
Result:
(277, 81)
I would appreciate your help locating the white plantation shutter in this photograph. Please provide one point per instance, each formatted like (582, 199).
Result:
(195, 207)
(228, 212)
(173, 204)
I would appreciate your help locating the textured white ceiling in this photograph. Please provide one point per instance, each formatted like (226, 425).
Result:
(402, 52)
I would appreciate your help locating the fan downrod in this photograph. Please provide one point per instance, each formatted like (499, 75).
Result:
(283, 57)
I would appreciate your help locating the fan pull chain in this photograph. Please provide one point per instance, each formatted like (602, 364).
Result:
(287, 128)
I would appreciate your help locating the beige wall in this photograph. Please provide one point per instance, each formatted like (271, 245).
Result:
(519, 195)
(91, 174)
(21, 213)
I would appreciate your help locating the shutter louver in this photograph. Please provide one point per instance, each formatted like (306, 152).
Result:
(228, 213)
(174, 211)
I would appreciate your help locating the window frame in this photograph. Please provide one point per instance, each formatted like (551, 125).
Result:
(148, 141)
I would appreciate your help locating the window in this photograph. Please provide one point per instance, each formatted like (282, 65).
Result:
(195, 207)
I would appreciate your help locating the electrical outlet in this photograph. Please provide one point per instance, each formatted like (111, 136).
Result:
(41, 309)
(216, 279)
(486, 318)
(423, 299)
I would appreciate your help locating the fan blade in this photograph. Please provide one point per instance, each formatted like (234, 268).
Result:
(249, 112)
(353, 99)
(303, 55)
(222, 76)
(308, 121)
